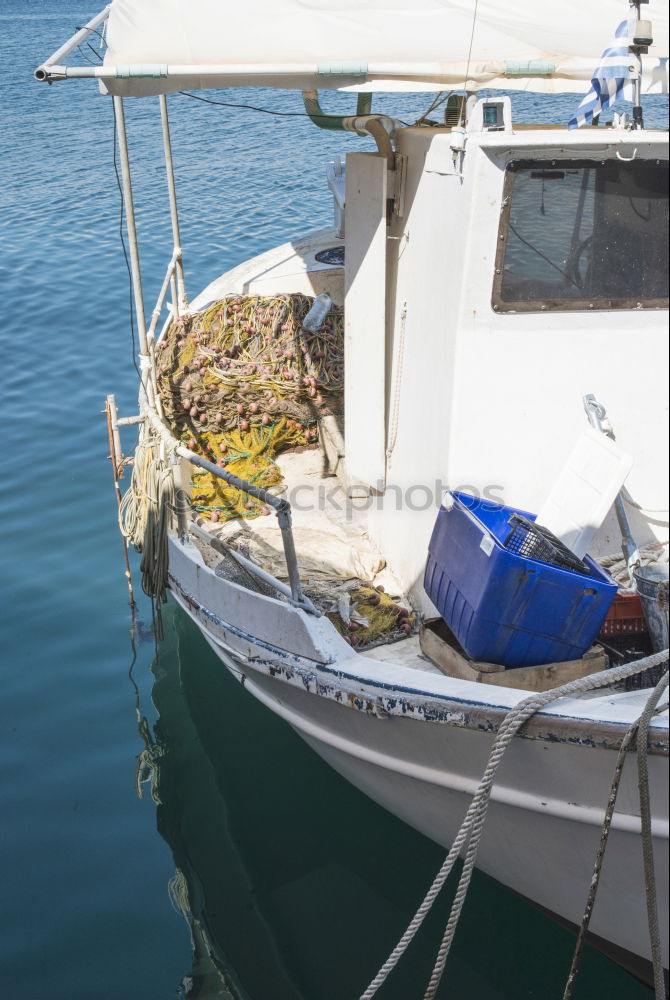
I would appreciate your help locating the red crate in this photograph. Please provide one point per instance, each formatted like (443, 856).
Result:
(625, 617)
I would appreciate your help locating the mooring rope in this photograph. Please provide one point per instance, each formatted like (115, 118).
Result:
(472, 825)
(639, 728)
(647, 844)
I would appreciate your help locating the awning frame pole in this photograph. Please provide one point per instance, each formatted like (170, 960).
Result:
(43, 71)
(181, 302)
(168, 281)
(136, 275)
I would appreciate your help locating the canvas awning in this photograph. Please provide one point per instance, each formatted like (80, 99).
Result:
(158, 46)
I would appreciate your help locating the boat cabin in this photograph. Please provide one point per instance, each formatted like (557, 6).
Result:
(491, 276)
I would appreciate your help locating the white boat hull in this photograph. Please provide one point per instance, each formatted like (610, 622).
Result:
(423, 765)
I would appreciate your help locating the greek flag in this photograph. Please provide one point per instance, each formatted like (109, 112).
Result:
(612, 77)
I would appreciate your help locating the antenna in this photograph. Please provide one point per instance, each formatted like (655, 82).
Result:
(642, 39)
(461, 119)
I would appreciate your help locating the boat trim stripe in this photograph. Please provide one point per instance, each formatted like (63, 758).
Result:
(500, 793)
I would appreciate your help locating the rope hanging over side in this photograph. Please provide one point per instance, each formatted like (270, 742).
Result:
(145, 515)
(472, 826)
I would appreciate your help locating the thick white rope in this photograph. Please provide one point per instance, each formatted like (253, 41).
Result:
(617, 566)
(472, 825)
(135, 502)
(473, 846)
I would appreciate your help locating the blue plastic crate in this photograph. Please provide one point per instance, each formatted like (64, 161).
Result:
(503, 607)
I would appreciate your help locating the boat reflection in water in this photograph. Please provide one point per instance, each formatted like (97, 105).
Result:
(295, 885)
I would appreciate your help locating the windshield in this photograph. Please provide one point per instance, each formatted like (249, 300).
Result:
(583, 235)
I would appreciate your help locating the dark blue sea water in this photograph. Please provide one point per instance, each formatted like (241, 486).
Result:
(298, 885)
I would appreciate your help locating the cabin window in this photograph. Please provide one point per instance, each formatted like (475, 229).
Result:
(583, 235)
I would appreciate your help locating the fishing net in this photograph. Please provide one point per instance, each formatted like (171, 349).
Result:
(370, 616)
(242, 381)
(239, 383)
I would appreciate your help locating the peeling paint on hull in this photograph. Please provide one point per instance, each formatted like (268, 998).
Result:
(385, 700)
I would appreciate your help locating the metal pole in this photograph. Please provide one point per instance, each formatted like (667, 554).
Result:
(174, 292)
(167, 146)
(145, 360)
(116, 451)
(167, 280)
(638, 119)
(284, 519)
(130, 222)
(115, 456)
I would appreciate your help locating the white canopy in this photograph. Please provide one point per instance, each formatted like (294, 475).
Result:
(157, 46)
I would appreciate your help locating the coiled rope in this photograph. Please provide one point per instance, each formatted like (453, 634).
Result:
(472, 826)
(617, 566)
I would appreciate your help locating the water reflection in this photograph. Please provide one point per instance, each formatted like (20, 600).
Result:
(295, 886)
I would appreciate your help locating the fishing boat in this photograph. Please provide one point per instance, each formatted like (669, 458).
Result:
(336, 435)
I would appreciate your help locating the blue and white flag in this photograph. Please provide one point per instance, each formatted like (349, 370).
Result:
(612, 79)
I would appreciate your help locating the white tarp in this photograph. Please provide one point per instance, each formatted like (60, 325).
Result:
(369, 44)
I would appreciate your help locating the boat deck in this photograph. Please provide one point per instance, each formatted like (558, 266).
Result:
(289, 268)
(335, 552)
(405, 654)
